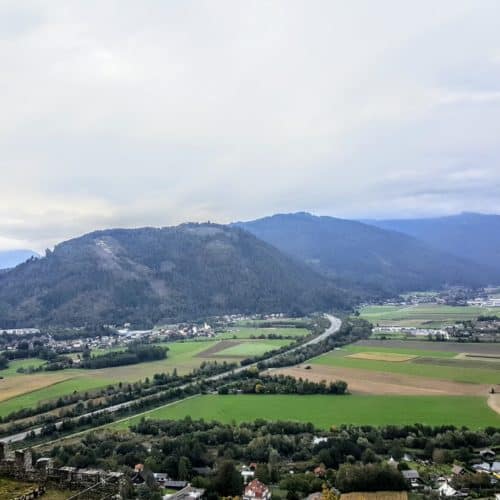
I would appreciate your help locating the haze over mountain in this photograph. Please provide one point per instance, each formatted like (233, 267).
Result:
(151, 275)
(369, 256)
(11, 258)
(469, 235)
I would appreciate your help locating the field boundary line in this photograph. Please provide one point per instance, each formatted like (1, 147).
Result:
(39, 389)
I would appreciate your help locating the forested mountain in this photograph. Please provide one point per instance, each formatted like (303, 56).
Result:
(11, 258)
(472, 236)
(375, 258)
(149, 275)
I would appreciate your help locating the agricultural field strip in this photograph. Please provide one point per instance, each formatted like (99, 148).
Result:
(325, 411)
(383, 356)
(182, 355)
(432, 315)
(432, 369)
(252, 332)
(383, 383)
(15, 364)
(411, 346)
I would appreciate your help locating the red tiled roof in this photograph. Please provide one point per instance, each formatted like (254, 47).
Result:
(257, 488)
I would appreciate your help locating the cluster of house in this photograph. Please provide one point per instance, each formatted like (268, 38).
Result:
(485, 302)
(486, 331)
(183, 490)
(442, 484)
(411, 331)
(254, 489)
(21, 331)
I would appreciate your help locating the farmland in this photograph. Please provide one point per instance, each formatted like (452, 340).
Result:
(252, 332)
(252, 348)
(19, 391)
(421, 315)
(326, 411)
(424, 363)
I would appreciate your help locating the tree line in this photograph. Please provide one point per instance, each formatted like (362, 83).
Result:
(280, 384)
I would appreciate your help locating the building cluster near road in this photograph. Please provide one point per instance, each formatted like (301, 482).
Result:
(75, 340)
(412, 331)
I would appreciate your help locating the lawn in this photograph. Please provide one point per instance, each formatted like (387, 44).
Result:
(248, 333)
(457, 373)
(433, 315)
(326, 411)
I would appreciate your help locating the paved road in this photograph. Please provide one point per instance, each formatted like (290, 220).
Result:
(331, 330)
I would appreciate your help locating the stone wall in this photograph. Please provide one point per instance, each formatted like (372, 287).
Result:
(19, 465)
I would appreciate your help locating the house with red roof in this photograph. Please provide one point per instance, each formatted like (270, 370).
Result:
(255, 490)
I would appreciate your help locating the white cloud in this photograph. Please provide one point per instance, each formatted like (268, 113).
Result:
(127, 113)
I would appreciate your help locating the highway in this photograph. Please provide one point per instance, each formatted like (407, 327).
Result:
(334, 327)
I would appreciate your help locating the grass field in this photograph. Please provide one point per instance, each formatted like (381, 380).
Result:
(253, 347)
(327, 411)
(27, 390)
(248, 332)
(455, 370)
(31, 399)
(390, 357)
(410, 351)
(260, 322)
(21, 363)
(432, 315)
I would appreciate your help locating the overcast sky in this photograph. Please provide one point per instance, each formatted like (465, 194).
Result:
(130, 113)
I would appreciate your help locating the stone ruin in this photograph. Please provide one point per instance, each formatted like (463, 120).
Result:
(92, 483)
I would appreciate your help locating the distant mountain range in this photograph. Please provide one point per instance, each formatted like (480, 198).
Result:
(378, 259)
(149, 275)
(292, 263)
(11, 258)
(472, 236)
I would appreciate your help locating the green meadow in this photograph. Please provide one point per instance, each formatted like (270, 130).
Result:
(14, 365)
(254, 347)
(327, 411)
(249, 332)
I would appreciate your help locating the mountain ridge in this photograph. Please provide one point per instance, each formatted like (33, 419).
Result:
(151, 275)
(373, 257)
(470, 235)
(12, 258)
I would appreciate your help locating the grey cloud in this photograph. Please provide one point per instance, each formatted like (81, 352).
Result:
(126, 114)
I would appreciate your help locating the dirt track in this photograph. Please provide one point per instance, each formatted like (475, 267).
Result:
(364, 382)
(494, 402)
